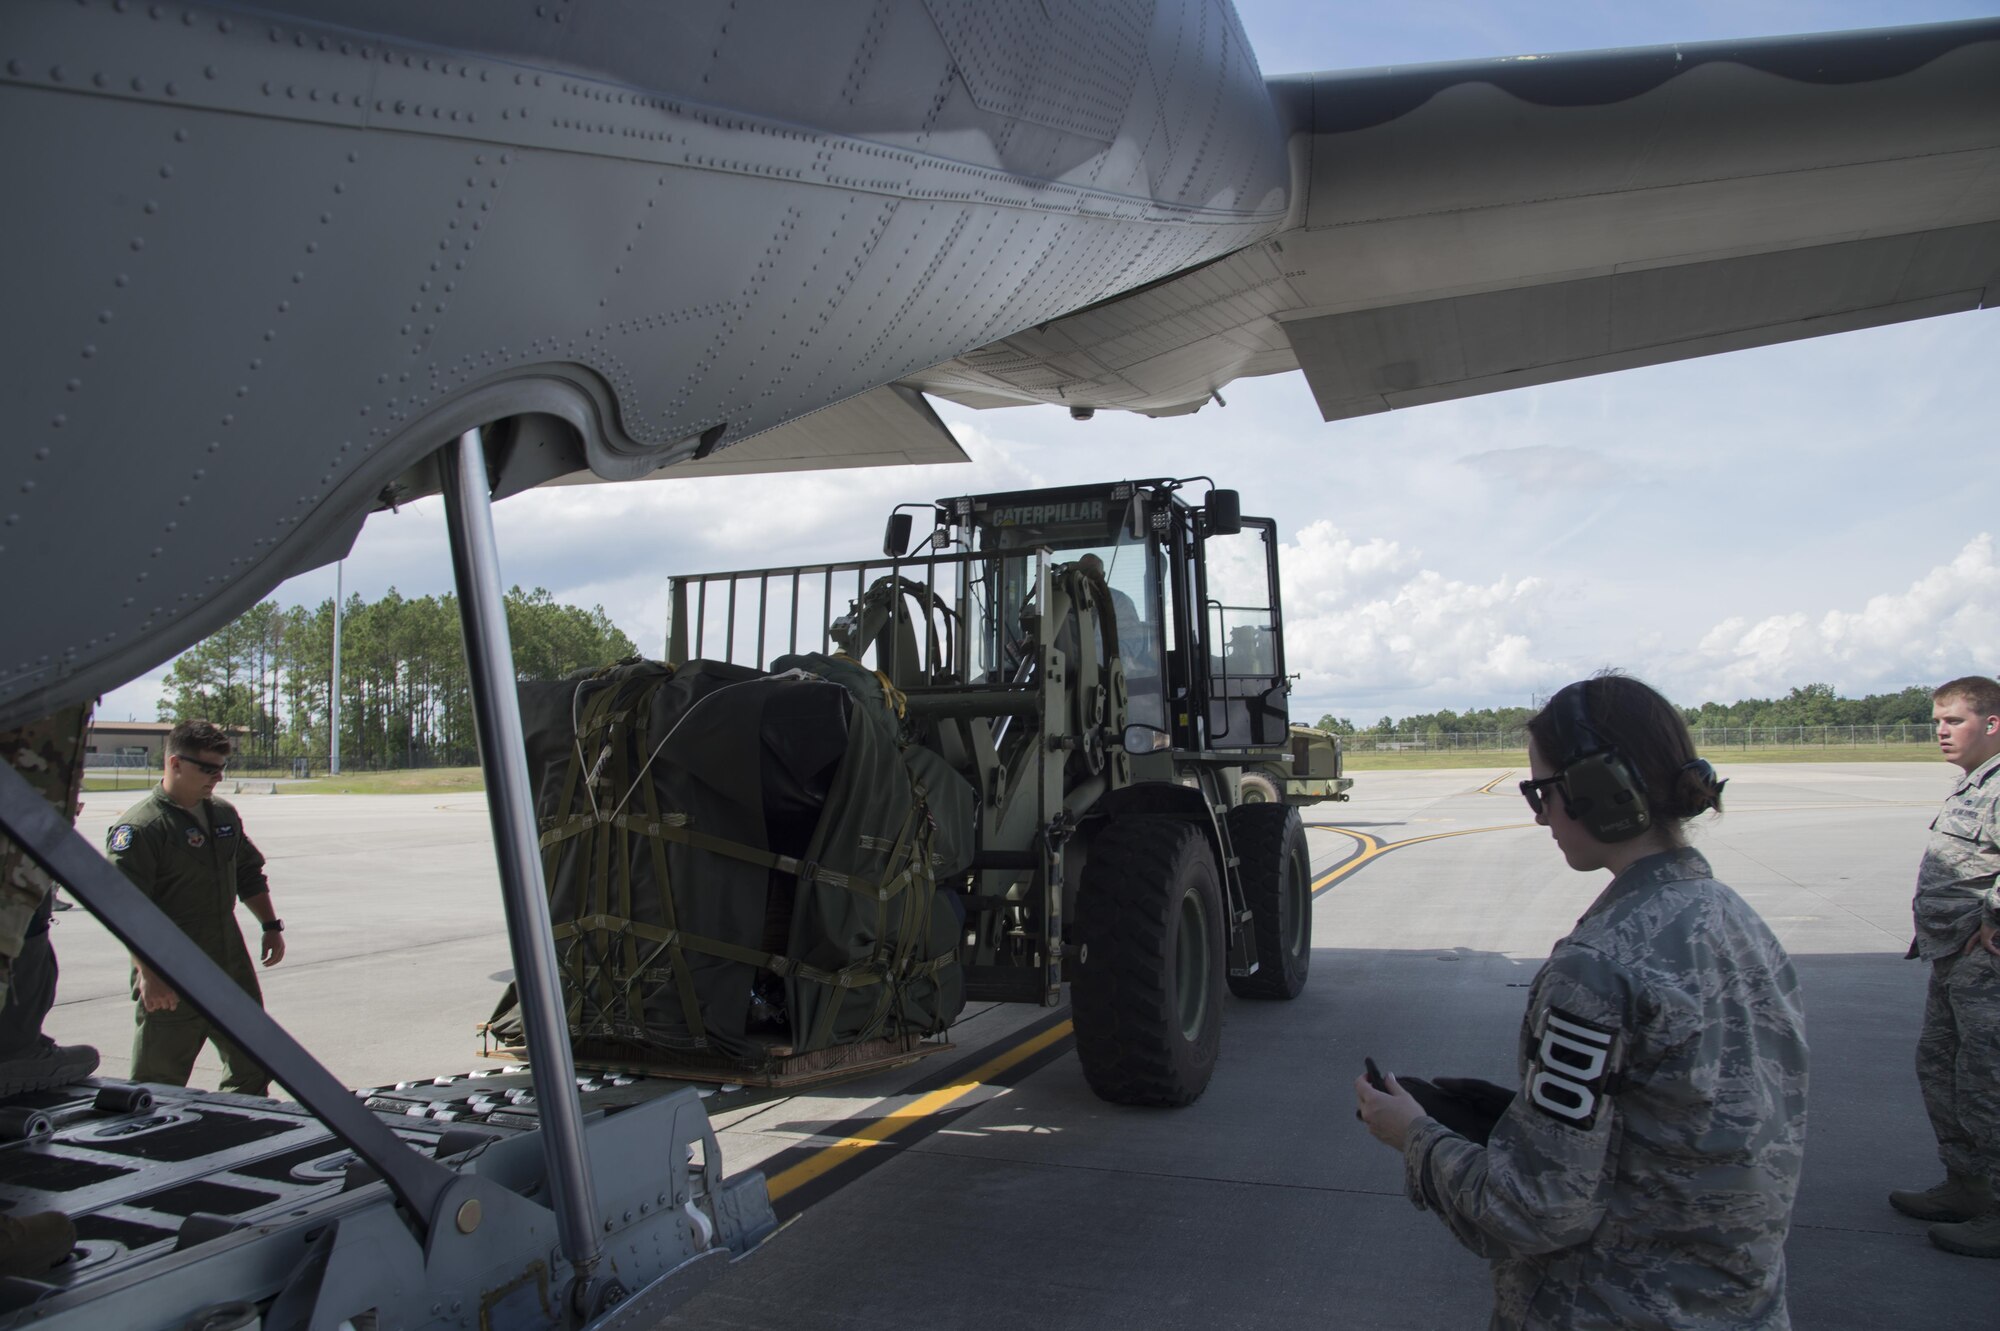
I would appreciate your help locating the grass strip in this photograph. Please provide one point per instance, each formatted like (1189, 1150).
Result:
(1420, 760)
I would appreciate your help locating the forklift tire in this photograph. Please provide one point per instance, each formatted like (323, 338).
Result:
(1259, 788)
(1146, 994)
(1270, 842)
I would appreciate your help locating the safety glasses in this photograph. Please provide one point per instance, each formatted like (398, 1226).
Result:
(1534, 791)
(212, 769)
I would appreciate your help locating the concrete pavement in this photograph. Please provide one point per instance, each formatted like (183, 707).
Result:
(1026, 1201)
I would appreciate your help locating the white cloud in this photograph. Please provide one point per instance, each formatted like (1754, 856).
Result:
(1369, 629)
(1946, 623)
(1366, 627)
(1324, 567)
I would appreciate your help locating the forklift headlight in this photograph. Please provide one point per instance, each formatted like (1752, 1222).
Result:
(1146, 739)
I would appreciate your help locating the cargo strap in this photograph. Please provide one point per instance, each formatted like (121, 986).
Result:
(675, 827)
(608, 957)
(911, 930)
(911, 847)
(894, 966)
(860, 975)
(677, 967)
(613, 720)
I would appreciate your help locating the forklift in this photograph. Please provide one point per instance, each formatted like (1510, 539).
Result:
(1100, 663)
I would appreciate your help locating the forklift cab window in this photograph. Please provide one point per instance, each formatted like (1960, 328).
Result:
(1131, 572)
(1246, 668)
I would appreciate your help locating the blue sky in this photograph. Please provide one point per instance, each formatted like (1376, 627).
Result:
(1726, 527)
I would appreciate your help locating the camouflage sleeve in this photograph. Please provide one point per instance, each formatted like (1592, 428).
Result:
(1542, 1181)
(1989, 840)
(48, 754)
(250, 880)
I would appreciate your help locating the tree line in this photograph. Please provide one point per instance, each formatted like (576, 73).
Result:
(1810, 705)
(405, 700)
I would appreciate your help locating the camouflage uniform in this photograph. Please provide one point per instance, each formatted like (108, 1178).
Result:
(1958, 1054)
(1644, 1175)
(49, 756)
(195, 874)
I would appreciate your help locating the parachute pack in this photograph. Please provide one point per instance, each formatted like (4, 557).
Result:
(743, 866)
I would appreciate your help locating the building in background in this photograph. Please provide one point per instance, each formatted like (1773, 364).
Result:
(133, 743)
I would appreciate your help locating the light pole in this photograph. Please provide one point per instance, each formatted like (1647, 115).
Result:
(333, 755)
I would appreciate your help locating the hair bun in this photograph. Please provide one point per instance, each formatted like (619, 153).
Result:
(1697, 789)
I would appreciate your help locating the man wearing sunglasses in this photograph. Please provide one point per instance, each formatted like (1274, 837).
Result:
(186, 849)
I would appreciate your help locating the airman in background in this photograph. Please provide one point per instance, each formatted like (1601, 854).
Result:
(49, 755)
(1957, 911)
(187, 850)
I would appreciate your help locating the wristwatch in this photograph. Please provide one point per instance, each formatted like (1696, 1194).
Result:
(274, 926)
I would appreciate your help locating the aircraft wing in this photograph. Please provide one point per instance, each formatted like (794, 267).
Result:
(273, 255)
(1464, 228)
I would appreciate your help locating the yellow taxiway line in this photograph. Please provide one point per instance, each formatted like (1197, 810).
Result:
(834, 1154)
(1373, 848)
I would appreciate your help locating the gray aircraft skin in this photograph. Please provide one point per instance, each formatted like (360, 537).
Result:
(266, 260)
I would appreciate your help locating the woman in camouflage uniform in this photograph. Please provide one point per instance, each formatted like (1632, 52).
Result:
(1644, 1175)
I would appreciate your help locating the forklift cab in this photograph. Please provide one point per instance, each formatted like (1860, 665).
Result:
(1193, 590)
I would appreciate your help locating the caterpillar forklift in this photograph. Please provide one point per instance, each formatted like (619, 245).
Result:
(1100, 663)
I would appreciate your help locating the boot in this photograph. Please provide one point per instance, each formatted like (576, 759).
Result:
(1953, 1201)
(45, 1065)
(31, 1244)
(1978, 1237)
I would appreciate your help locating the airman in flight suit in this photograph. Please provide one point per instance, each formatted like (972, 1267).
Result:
(187, 850)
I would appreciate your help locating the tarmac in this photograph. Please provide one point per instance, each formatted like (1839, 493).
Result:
(987, 1186)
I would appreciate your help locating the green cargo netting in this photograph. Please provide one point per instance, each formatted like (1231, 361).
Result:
(743, 864)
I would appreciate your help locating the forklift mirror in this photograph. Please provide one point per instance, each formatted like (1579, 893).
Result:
(896, 539)
(1225, 513)
(1146, 739)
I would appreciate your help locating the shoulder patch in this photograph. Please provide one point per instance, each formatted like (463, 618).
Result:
(121, 838)
(195, 839)
(1571, 1068)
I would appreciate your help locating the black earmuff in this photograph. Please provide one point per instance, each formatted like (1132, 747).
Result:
(1599, 789)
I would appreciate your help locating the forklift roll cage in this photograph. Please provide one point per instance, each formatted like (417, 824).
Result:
(1219, 655)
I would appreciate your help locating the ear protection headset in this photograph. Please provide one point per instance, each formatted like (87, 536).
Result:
(1599, 789)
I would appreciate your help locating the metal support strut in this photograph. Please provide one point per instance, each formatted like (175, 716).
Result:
(496, 708)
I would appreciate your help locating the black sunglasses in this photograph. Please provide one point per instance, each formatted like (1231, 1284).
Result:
(1533, 791)
(213, 769)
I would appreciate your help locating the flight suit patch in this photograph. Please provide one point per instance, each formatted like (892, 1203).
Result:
(1571, 1068)
(121, 838)
(195, 839)
(223, 831)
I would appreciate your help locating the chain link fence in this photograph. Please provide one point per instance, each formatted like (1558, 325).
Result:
(120, 771)
(1705, 738)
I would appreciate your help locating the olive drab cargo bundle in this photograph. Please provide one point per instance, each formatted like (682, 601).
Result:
(743, 866)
